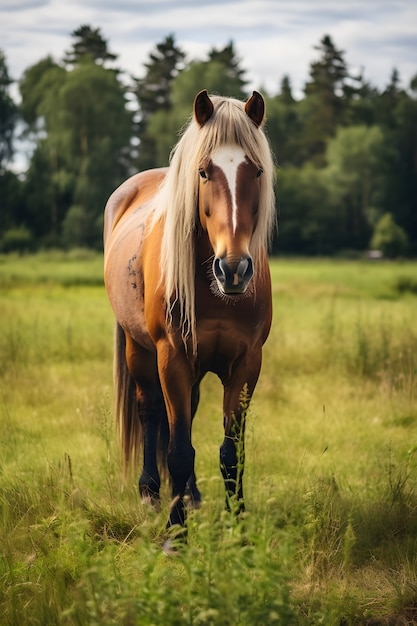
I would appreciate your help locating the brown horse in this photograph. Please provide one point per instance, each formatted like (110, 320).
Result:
(187, 275)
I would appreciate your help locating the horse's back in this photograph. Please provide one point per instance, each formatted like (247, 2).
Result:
(133, 192)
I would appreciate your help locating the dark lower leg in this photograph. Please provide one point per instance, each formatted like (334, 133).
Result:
(181, 466)
(149, 481)
(232, 466)
(149, 485)
(192, 493)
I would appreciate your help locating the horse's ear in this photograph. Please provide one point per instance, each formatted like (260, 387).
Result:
(255, 108)
(203, 107)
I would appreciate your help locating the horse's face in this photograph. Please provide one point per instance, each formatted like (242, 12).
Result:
(228, 200)
(228, 208)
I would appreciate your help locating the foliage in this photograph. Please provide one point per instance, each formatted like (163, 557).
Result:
(153, 93)
(164, 65)
(166, 102)
(227, 57)
(8, 115)
(284, 127)
(89, 44)
(303, 198)
(39, 87)
(163, 126)
(82, 129)
(328, 95)
(11, 201)
(389, 237)
(354, 177)
(16, 239)
(351, 147)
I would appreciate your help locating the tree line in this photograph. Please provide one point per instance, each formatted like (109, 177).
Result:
(346, 151)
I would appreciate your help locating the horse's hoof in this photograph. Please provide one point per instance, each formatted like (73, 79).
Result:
(151, 502)
(193, 504)
(170, 548)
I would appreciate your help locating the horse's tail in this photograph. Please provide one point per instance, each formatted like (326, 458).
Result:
(128, 425)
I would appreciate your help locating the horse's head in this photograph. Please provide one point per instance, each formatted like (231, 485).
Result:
(229, 188)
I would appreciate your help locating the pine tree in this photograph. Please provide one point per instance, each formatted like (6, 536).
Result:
(285, 95)
(153, 90)
(153, 93)
(88, 43)
(227, 57)
(328, 94)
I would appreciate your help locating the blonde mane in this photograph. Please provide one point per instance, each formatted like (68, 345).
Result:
(177, 199)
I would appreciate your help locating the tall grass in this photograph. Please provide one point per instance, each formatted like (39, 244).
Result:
(330, 536)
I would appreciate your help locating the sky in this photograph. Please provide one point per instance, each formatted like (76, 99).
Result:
(272, 38)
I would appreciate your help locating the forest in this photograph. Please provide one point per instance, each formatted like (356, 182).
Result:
(346, 151)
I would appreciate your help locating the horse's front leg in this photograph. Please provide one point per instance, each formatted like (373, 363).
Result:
(192, 493)
(232, 459)
(176, 381)
(237, 394)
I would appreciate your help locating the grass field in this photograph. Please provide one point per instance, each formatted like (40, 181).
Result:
(331, 472)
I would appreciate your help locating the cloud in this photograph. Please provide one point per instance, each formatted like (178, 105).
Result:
(272, 37)
(21, 5)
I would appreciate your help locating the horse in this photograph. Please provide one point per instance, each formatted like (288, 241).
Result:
(187, 275)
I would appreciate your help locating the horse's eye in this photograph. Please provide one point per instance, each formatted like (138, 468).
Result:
(203, 173)
(259, 172)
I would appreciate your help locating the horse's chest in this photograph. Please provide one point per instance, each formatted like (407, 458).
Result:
(220, 345)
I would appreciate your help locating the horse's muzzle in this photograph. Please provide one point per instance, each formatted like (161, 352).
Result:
(233, 277)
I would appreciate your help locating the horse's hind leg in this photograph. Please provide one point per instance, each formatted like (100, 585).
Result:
(151, 410)
(152, 418)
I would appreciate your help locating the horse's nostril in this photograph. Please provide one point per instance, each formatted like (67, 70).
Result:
(217, 269)
(245, 269)
(234, 277)
(222, 270)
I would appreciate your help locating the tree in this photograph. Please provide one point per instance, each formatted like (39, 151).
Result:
(153, 93)
(82, 130)
(47, 201)
(93, 135)
(347, 151)
(89, 44)
(12, 203)
(327, 96)
(403, 179)
(354, 176)
(39, 90)
(8, 115)
(163, 126)
(386, 102)
(388, 237)
(235, 73)
(10, 185)
(48, 190)
(284, 125)
(285, 95)
(363, 107)
(306, 217)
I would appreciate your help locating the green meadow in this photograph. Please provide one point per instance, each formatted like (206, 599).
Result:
(330, 534)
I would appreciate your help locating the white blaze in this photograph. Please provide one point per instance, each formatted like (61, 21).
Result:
(228, 159)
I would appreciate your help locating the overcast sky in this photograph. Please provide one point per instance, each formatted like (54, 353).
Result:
(272, 37)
